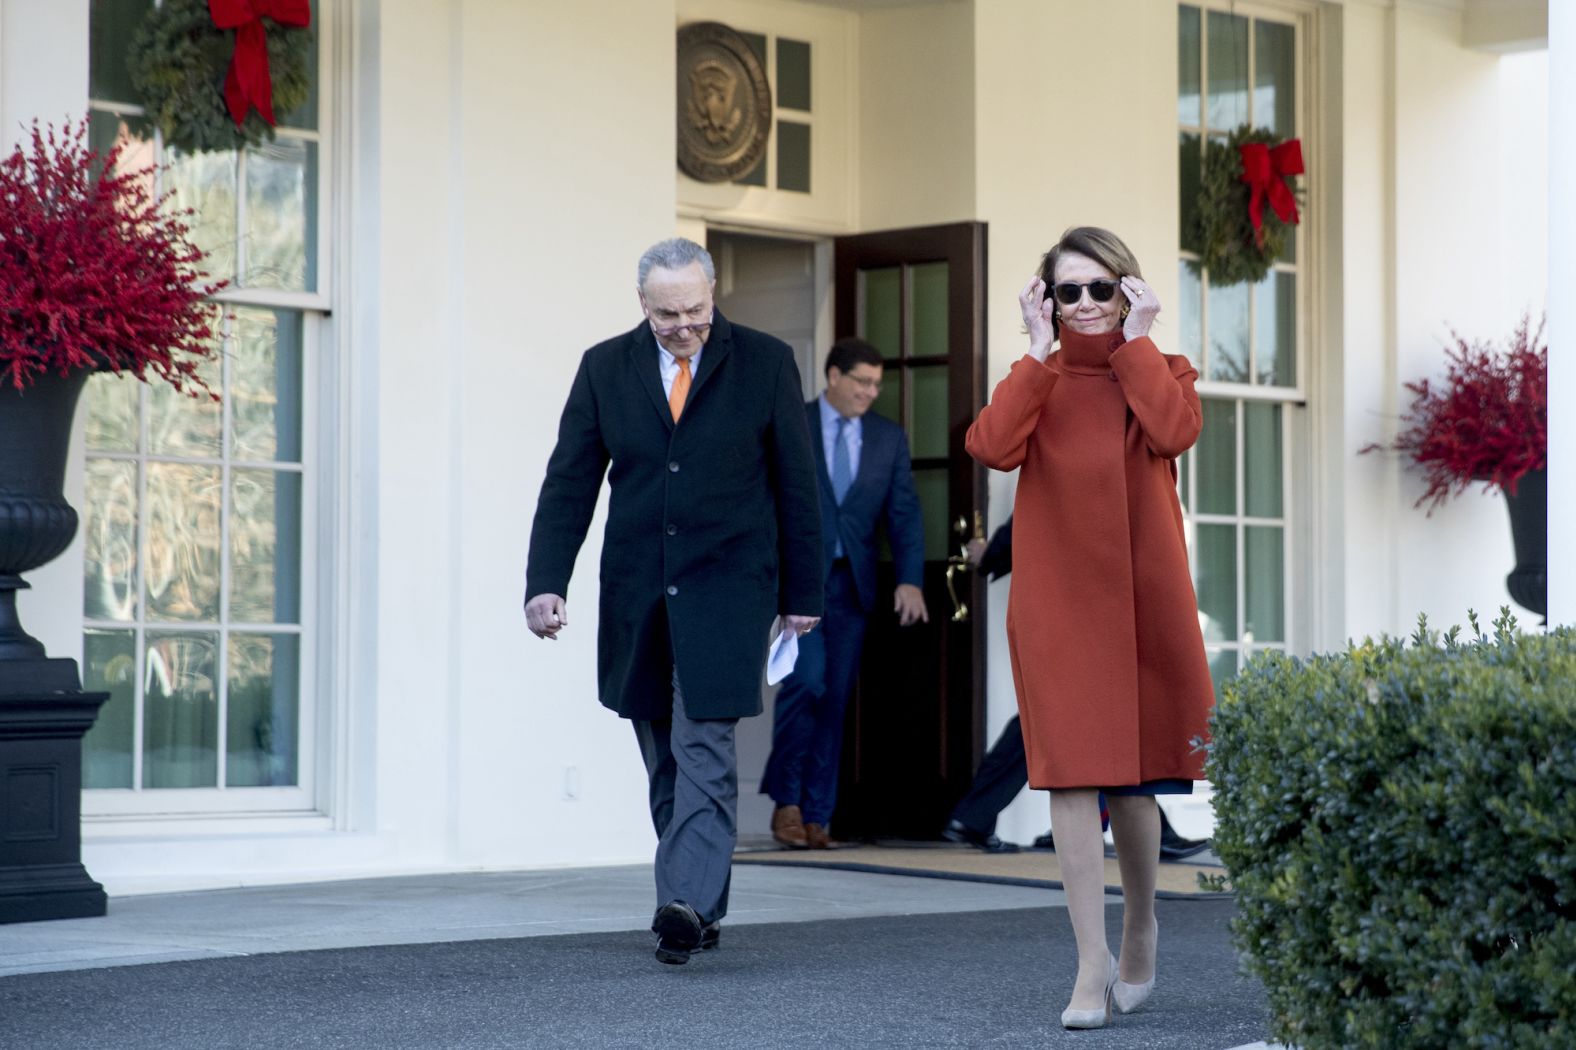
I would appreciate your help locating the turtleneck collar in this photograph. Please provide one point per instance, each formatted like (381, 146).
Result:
(1088, 353)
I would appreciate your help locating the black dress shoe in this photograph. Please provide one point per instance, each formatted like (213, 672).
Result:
(710, 935)
(957, 831)
(1045, 841)
(1174, 846)
(679, 932)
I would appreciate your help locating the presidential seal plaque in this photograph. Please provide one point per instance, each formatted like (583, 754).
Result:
(725, 104)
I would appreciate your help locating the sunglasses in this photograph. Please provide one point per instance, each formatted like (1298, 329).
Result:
(1068, 293)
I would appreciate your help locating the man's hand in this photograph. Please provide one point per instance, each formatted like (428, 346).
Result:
(545, 615)
(974, 552)
(800, 624)
(909, 604)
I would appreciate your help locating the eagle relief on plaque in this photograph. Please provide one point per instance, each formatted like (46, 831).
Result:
(724, 103)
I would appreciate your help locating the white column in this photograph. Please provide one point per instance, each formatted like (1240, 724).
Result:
(1562, 316)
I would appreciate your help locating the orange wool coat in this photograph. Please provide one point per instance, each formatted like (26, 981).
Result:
(1102, 623)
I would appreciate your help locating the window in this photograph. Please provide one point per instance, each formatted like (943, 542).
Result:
(1236, 67)
(198, 514)
(786, 162)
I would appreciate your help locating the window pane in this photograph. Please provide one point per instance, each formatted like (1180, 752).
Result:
(109, 664)
(1190, 311)
(880, 306)
(1275, 324)
(110, 403)
(183, 542)
(793, 74)
(1217, 582)
(928, 325)
(262, 724)
(1216, 458)
(889, 402)
(1275, 81)
(1228, 333)
(1264, 584)
(265, 386)
(265, 546)
(793, 156)
(927, 426)
(1188, 45)
(756, 176)
(305, 115)
(1222, 668)
(931, 484)
(109, 541)
(1190, 168)
(281, 215)
(182, 424)
(111, 24)
(1228, 70)
(181, 724)
(206, 183)
(1262, 450)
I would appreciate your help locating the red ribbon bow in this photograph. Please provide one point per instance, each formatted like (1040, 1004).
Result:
(248, 83)
(1265, 171)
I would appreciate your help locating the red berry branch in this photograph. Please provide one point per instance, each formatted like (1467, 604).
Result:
(1487, 421)
(96, 272)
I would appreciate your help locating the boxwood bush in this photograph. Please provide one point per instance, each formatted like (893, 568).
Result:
(1399, 823)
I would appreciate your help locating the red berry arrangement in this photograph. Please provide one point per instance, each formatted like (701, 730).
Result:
(95, 272)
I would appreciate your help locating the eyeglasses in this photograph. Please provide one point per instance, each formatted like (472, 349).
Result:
(668, 333)
(863, 382)
(1068, 292)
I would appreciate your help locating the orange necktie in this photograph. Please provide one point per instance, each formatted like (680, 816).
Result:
(680, 391)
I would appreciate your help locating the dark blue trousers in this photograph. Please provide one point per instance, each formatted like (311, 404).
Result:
(807, 726)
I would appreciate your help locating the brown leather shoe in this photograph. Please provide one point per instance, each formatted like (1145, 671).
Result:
(788, 827)
(819, 839)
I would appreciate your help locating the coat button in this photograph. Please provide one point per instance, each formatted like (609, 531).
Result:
(673, 530)
(1112, 375)
(672, 590)
(673, 468)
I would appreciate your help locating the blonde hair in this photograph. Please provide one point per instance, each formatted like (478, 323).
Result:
(1101, 245)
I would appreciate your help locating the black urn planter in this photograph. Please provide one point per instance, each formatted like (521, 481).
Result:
(43, 710)
(1528, 582)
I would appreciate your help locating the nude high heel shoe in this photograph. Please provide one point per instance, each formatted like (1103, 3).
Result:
(1097, 1018)
(1130, 997)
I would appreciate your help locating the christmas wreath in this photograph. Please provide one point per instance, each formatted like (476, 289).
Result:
(211, 76)
(1238, 239)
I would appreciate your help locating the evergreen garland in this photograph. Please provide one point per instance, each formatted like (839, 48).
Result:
(1227, 244)
(178, 60)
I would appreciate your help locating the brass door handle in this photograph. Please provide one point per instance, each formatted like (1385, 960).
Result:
(960, 610)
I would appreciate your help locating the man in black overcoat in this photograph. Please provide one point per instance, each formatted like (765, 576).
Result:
(713, 533)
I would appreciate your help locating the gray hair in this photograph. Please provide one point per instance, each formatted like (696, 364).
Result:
(675, 254)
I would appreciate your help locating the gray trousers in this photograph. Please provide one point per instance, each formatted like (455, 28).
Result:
(694, 777)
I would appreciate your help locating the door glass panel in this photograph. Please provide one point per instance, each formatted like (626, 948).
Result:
(1228, 333)
(181, 701)
(1188, 43)
(265, 546)
(181, 424)
(1190, 311)
(928, 295)
(927, 424)
(931, 483)
(1228, 70)
(1215, 458)
(889, 402)
(1262, 451)
(109, 664)
(281, 213)
(265, 386)
(793, 156)
(182, 574)
(206, 183)
(880, 309)
(1217, 582)
(1274, 81)
(109, 541)
(1222, 668)
(262, 723)
(1275, 335)
(1264, 583)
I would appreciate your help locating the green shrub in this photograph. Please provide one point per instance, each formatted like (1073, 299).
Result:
(1399, 822)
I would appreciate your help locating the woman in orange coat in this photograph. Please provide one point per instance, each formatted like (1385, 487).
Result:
(1107, 656)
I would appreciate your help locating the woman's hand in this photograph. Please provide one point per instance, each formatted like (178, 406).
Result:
(1037, 316)
(1144, 306)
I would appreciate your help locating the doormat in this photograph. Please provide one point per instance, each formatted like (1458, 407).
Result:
(1033, 867)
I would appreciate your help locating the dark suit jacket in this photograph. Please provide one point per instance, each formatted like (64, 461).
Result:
(711, 523)
(883, 491)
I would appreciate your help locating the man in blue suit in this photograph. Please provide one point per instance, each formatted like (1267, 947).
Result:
(863, 466)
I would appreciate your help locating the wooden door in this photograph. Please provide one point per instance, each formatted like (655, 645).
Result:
(916, 721)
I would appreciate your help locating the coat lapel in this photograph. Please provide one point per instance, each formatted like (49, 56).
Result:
(718, 344)
(645, 362)
(812, 415)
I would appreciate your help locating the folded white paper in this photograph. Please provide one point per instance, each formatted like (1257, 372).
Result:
(784, 652)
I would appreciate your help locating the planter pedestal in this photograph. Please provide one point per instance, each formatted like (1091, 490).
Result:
(43, 714)
(1528, 582)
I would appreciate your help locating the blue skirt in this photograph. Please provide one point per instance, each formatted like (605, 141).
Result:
(1153, 787)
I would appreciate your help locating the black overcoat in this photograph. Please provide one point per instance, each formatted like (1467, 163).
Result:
(713, 524)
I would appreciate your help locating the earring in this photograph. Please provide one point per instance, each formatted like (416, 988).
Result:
(1125, 311)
